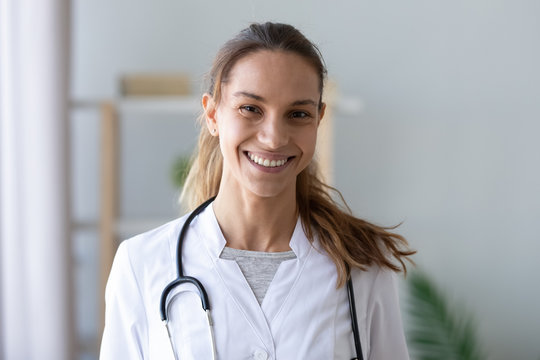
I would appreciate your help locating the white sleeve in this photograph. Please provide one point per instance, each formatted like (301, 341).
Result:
(126, 331)
(384, 325)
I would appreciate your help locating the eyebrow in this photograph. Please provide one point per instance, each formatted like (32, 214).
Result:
(249, 95)
(261, 99)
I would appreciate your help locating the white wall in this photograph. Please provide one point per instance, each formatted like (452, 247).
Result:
(447, 142)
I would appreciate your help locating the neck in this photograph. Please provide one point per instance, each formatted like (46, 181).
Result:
(256, 223)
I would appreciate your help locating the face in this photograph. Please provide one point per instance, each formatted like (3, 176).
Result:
(267, 122)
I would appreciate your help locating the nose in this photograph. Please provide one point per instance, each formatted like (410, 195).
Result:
(274, 132)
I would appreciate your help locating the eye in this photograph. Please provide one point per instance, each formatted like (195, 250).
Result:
(300, 115)
(249, 109)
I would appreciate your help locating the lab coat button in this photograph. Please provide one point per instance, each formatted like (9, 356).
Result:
(260, 355)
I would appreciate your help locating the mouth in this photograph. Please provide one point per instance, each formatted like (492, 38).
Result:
(266, 162)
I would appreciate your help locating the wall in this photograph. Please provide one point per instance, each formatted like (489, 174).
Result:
(446, 142)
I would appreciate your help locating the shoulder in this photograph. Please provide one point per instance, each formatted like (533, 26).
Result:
(147, 256)
(374, 278)
(376, 293)
(378, 309)
(142, 261)
(376, 289)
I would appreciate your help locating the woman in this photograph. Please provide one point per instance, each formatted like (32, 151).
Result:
(273, 250)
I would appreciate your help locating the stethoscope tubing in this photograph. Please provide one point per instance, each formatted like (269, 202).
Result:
(354, 321)
(181, 236)
(180, 278)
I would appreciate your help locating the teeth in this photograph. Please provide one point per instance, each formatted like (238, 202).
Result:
(266, 162)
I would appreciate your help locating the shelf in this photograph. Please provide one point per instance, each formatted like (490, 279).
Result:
(343, 105)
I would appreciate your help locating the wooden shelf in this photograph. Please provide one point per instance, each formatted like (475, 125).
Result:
(345, 105)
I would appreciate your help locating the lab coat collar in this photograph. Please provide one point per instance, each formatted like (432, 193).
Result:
(207, 228)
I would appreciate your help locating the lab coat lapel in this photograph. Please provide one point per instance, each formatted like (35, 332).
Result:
(287, 274)
(234, 281)
(244, 298)
(309, 306)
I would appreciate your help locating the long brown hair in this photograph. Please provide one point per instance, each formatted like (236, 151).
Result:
(349, 241)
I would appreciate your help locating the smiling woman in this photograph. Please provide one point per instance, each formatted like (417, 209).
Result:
(269, 251)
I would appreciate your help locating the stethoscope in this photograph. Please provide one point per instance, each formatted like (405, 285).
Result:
(182, 279)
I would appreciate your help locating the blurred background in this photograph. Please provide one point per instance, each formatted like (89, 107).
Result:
(436, 115)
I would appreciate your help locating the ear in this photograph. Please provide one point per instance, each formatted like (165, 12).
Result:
(209, 106)
(321, 113)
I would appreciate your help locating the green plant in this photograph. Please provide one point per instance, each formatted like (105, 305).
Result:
(180, 170)
(437, 331)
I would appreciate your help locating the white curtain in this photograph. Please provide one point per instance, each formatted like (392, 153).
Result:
(35, 291)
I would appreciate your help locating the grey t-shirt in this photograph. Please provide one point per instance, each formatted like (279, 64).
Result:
(258, 267)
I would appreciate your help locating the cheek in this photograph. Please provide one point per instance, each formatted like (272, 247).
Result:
(231, 135)
(308, 141)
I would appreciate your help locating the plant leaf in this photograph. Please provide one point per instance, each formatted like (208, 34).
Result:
(180, 170)
(437, 331)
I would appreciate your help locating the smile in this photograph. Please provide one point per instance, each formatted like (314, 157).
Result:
(267, 162)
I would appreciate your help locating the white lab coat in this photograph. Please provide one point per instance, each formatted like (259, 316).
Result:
(302, 316)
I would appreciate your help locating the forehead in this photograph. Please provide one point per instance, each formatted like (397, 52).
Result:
(275, 75)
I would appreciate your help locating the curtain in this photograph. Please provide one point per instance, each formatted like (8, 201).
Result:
(35, 291)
